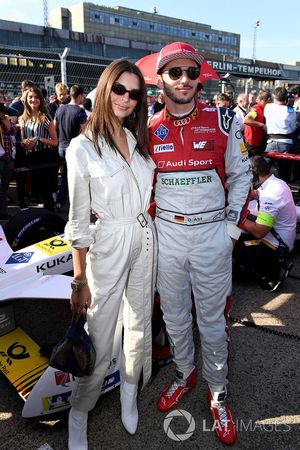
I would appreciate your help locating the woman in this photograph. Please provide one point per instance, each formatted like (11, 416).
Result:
(38, 136)
(110, 172)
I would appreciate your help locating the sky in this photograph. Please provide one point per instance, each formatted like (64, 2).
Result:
(277, 36)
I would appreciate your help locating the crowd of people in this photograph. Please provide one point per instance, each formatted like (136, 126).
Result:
(35, 132)
(214, 193)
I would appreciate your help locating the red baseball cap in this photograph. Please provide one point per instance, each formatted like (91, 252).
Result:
(177, 50)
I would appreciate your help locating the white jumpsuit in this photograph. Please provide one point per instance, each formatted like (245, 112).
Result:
(121, 256)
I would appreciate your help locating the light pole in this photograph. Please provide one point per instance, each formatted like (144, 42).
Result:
(256, 25)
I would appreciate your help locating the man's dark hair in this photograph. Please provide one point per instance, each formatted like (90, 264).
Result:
(76, 90)
(281, 94)
(87, 104)
(295, 90)
(26, 84)
(223, 97)
(260, 166)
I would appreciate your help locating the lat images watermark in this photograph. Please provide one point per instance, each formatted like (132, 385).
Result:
(188, 418)
(209, 426)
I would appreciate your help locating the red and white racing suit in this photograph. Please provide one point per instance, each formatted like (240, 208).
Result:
(196, 156)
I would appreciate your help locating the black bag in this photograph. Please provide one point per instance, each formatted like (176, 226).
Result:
(75, 353)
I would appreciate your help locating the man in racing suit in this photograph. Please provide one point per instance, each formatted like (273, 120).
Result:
(202, 186)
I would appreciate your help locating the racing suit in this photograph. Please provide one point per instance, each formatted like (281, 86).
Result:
(121, 258)
(198, 156)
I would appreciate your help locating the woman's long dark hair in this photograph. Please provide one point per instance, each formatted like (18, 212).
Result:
(103, 120)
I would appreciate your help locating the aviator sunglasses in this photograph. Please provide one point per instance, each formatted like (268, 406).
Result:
(119, 89)
(175, 73)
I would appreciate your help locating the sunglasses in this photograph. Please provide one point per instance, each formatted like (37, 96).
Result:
(175, 73)
(119, 89)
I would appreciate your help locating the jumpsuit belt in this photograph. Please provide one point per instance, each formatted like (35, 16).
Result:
(192, 219)
(142, 218)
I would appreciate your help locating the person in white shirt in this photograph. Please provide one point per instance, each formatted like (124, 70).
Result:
(241, 109)
(281, 125)
(270, 228)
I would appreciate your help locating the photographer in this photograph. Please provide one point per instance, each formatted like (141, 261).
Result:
(7, 129)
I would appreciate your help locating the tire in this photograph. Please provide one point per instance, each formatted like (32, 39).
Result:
(32, 225)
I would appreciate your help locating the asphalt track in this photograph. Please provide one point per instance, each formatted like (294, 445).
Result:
(264, 388)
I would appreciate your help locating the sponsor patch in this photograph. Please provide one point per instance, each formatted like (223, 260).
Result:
(181, 122)
(56, 401)
(110, 380)
(53, 246)
(204, 145)
(161, 132)
(238, 134)
(227, 118)
(19, 258)
(243, 148)
(186, 181)
(203, 129)
(2, 271)
(163, 148)
(232, 216)
(62, 378)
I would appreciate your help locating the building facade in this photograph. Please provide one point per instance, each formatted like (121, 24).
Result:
(96, 35)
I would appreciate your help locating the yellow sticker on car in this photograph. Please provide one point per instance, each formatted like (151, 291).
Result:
(20, 361)
(53, 245)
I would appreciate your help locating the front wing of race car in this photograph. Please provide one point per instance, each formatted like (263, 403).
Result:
(36, 272)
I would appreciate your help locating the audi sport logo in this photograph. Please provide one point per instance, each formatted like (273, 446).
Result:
(181, 122)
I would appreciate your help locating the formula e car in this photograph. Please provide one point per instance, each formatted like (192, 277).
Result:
(31, 275)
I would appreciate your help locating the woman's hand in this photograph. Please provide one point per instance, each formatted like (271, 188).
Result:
(29, 143)
(80, 300)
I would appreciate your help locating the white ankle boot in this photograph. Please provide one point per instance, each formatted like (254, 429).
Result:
(129, 411)
(77, 430)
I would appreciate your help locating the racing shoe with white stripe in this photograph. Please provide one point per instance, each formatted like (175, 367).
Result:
(224, 425)
(176, 390)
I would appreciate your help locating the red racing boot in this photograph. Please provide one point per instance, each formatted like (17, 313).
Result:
(224, 425)
(173, 393)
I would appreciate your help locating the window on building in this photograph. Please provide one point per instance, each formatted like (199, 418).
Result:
(22, 62)
(13, 61)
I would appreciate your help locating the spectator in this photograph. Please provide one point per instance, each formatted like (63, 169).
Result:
(7, 130)
(281, 126)
(252, 98)
(230, 94)
(160, 103)
(151, 99)
(61, 96)
(255, 130)
(87, 105)
(70, 120)
(241, 109)
(19, 104)
(223, 100)
(39, 140)
(271, 234)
